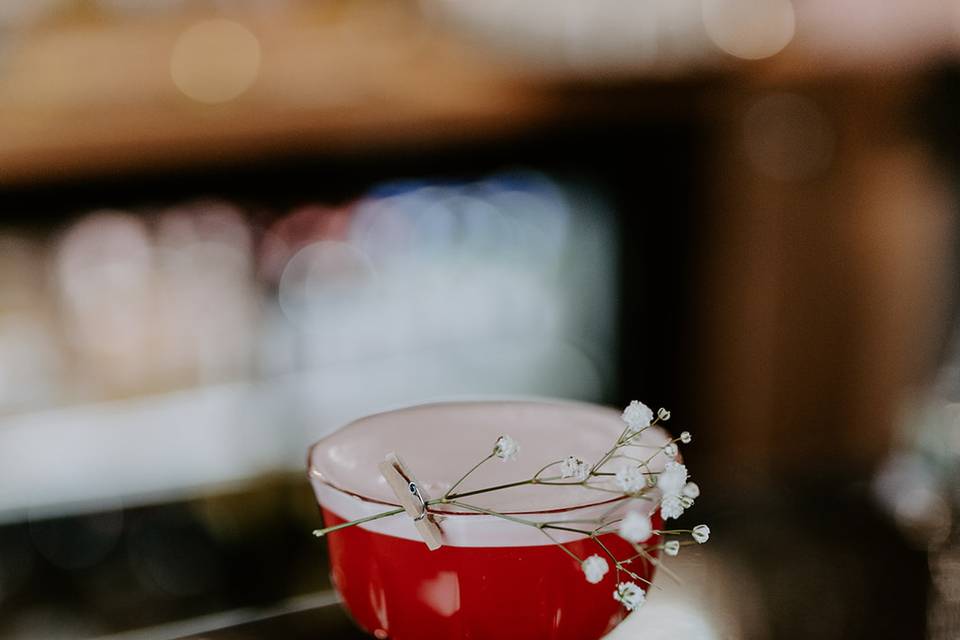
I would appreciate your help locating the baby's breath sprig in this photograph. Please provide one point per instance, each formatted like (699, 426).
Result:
(634, 481)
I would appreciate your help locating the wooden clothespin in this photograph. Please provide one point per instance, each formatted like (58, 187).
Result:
(412, 498)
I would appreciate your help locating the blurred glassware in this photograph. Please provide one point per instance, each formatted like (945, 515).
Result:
(104, 280)
(210, 304)
(183, 345)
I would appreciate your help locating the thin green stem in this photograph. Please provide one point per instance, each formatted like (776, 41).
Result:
(606, 524)
(622, 441)
(464, 476)
(618, 564)
(488, 512)
(562, 547)
(322, 532)
(552, 481)
(575, 521)
(626, 457)
(453, 496)
(637, 496)
(536, 476)
(562, 528)
(642, 552)
(529, 523)
(668, 532)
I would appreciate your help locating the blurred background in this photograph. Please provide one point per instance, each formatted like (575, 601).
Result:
(230, 226)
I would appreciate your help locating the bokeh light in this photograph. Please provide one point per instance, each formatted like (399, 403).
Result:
(104, 277)
(201, 321)
(215, 61)
(749, 29)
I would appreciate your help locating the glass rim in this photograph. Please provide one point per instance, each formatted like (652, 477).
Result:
(315, 474)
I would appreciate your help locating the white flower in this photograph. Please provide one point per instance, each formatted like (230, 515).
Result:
(686, 502)
(691, 490)
(637, 416)
(671, 507)
(686, 438)
(573, 467)
(670, 450)
(635, 527)
(594, 568)
(671, 547)
(629, 595)
(672, 479)
(630, 479)
(701, 533)
(663, 414)
(506, 448)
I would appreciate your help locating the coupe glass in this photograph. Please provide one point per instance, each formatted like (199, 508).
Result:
(493, 578)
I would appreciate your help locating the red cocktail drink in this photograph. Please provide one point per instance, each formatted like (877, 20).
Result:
(494, 578)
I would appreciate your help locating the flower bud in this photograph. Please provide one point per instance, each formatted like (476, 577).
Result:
(701, 533)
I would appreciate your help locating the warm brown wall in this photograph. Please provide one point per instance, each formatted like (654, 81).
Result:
(825, 277)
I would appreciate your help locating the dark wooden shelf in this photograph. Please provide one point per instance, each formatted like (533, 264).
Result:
(94, 94)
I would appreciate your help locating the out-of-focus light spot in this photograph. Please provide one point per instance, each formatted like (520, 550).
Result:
(503, 284)
(609, 33)
(923, 512)
(605, 36)
(104, 271)
(202, 221)
(215, 61)
(321, 280)
(749, 29)
(907, 488)
(302, 226)
(207, 301)
(383, 227)
(787, 137)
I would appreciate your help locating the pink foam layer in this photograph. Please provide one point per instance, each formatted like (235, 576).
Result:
(441, 441)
